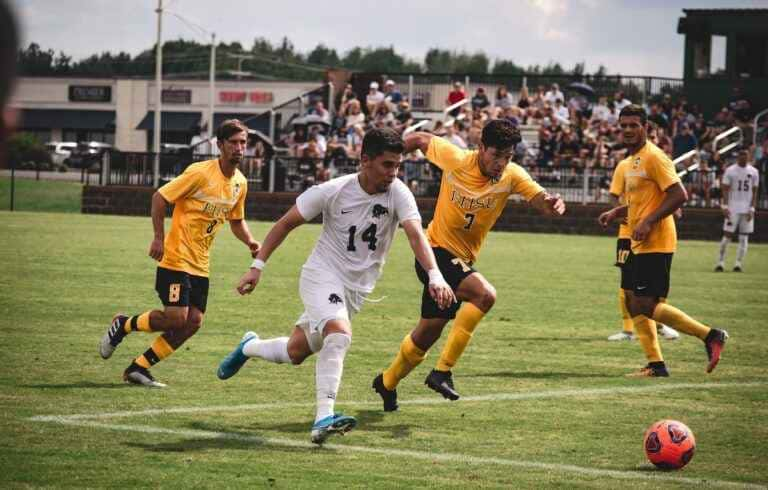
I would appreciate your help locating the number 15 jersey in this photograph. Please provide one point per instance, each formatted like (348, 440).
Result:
(469, 202)
(357, 228)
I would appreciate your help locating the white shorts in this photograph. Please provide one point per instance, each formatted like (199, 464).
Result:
(739, 223)
(325, 298)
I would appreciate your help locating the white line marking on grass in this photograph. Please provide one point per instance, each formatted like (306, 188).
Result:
(441, 457)
(532, 395)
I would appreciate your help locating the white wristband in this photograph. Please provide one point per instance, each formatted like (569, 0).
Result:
(258, 264)
(435, 276)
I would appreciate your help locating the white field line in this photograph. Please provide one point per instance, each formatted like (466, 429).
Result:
(532, 395)
(420, 455)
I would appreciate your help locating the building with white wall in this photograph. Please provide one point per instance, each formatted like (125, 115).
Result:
(121, 111)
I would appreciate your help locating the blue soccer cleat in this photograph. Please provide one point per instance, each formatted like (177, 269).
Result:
(332, 424)
(235, 359)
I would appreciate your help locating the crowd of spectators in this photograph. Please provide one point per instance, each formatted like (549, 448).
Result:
(575, 131)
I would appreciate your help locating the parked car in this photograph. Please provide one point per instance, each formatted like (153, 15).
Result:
(60, 150)
(87, 153)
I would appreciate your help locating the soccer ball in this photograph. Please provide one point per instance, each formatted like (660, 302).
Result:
(669, 444)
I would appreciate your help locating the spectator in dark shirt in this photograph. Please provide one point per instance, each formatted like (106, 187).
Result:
(391, 94)
(658, 117)
(480, 100)
(683, 142)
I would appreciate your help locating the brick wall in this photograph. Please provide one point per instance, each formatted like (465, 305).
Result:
(702, 224)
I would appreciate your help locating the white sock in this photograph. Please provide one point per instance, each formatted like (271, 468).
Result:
(272, 350)
(723, 245)
(328, 369)
(742, 250)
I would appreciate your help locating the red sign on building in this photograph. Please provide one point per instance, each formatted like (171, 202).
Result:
(239, 97)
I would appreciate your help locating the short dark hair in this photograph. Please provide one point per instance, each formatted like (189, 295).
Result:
(634, 110)
(500, 134)
(230, 127)
(380, 140)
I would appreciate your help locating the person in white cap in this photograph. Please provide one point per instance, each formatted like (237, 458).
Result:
(374, 97)
(392, 95)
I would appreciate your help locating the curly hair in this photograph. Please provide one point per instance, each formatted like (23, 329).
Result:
(500, 134)
(634, 110)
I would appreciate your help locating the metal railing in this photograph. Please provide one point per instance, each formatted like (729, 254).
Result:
(575, 183)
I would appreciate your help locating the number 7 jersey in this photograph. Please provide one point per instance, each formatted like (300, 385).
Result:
(357, 227)
(469, 202)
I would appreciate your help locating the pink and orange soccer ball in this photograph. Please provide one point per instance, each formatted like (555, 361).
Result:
(669, 444)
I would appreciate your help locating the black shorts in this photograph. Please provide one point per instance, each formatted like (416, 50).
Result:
(624, 261)
(454, 271)
(178, 288)
(650, 274)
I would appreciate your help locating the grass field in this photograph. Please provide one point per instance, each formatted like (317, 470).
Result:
(545, 401)
(41, 195)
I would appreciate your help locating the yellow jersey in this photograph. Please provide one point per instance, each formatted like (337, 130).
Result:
(203, 198)
(469, 202)
(617, 189)
(649, 173)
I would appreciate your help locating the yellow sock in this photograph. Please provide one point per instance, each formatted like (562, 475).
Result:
(408, 357)
(465, 323)
(645, 329)
(159, 350)
(669, 315)
(626, 319)
(138, 323)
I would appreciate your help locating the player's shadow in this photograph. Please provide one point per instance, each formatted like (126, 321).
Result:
(71, 386)
(238, 438)
(538, 375)
(369, 420)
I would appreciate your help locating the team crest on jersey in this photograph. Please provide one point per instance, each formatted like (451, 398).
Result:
(379, 210)
(236, 190)
(334, 299)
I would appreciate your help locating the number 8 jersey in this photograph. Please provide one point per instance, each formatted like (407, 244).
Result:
(357, 227)
(203, 199)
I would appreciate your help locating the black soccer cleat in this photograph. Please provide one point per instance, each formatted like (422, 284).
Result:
(718, 268)
(113, 336)
(715, 343)
(138, 375)
(389, 397)
(651, 370)
(737, 268)
(442, 382)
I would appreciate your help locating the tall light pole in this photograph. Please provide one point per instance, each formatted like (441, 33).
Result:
(211, 91)
(158, 93)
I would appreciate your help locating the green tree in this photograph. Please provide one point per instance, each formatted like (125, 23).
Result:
(322, 55)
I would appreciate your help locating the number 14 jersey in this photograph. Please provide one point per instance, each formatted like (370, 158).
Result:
(357, 227)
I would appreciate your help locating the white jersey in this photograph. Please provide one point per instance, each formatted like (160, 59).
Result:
(743, 183)
(357, 227)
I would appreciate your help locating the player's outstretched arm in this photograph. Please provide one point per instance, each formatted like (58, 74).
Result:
(159, 205)
(417, 140)
(440, 291)
(240, 229)
(272, 241)
(551, 205)
(612, 215)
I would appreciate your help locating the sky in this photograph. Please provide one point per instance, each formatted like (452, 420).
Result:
(628, 37)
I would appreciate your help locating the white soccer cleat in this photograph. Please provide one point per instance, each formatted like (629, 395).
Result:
(617, 337)
(667, 333)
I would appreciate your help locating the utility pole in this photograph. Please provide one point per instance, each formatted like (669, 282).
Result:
(211, 88)
(240, 58)
(158, 93)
